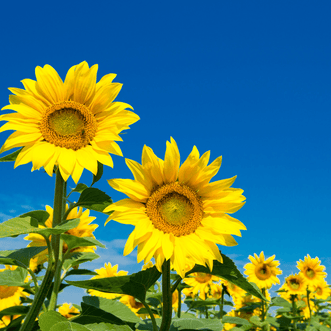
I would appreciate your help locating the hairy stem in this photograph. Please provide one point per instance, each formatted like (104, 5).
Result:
(166, 297)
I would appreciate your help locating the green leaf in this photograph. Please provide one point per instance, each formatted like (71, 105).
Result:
(235, 320)
(13, 277)
(22, 225)
(228, 271)
(197, 324)
(201, 303)
(147, 325)
(68, 326)
(136, 284)
(277, 301)
(15, 310)
(20, 257)
(10, 157)
(50, 318)
(256, 321)
(94, 199)
(80, 272)
(107, 327)
(99, 174)
(80, 188)
(40, 215)
(76, 258)
(74, 242)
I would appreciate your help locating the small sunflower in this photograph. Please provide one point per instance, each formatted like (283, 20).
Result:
(311, 270)
(68, 311)
(202, 283)
(84, 229)
(262, 272)
(73, 124)
(321, 290)
(177, 213)
(107, 271)
(294, 284)
(11, 295)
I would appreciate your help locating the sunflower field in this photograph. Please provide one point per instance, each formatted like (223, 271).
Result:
(180, 216)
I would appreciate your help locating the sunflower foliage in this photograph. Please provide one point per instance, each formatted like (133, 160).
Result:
(179, 214)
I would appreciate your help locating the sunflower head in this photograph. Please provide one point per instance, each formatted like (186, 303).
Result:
(72, 124)
(311, 270)
(68, 311)
(321, 290)
(107, 271)
(294, 284)
(262, 272)
(177, 212)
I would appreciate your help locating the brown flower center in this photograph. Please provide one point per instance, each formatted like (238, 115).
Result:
(7, 291)
(202, 278)
(263, 271)
(310, 273)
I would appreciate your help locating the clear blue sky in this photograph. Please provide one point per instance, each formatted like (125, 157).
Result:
(249, 80)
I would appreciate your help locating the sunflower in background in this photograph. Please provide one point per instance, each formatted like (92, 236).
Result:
(294, 284)
(83, 229)
(107, 271)
(177, 213)
(73, 124)
(320, 290)
(11, 295)
(311, 270)
(263, 272)
(68, 311)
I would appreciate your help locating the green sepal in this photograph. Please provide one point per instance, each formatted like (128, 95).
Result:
(76, 258)
(11, 157)
(94, 199)
(136, 284)
(74, 242)
(20, 257)
(228, 271)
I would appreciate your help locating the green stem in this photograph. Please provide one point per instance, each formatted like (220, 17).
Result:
(166, 297)
(173, 288)
(222, 302)
(294, 310)
(57, 244)
(38, 299)
(36, 286)
(151, 315)
(308, 302)
(179, 303)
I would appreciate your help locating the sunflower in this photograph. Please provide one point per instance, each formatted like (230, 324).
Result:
(84, 229)
(107, 271)
(73, 124)
(177, 213)
(321, 290)
(294, 284)
(11, 295)
(311, 270)
(262, 272)
(68, 311)
(134, 305)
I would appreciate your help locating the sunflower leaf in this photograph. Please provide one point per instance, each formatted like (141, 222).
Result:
(76, 258)
(20, 257)
(74, 242)
(107, 327)
(40, 215)
(136, 284)
(80, 272)
(10, 157)
(235, 320)
(49, 319)
(98, 176)
(15, 310)
(94, 199)
(197, 324)
(23, 225)
(80, 188)
(228, 271)
(13, 277)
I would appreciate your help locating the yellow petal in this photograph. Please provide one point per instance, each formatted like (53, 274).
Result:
(171, 161)
(87, 160)
(131, 188)
(139, 174)
(185, 170)
(85, 82)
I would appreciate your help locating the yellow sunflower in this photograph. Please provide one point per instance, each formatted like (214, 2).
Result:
(134, 305)
(262, 272)
(107, 271)
(68, 311)
(177, 213)
(73, 124)
(321, 290)
(11, 295)
(294, 284)
(203, 284)
(235, 291)
(84, 229)
(311, 270)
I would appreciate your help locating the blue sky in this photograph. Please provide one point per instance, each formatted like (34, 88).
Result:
(247, 80)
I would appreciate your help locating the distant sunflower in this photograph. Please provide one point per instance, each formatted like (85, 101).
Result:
(320, 290)
(73, 124)
(294, 284)
(262, 272)
(84, 229)
(107, 271)
(68, 311)
(177, 213)
(11, 295)
(202, 284)
(311, 270)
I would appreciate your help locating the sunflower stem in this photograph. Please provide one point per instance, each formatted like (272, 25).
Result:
(166, 297)
(308, 302)
(179, 303)
(155, 328)
(57, 243)
(222, 302)
(294, 310)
